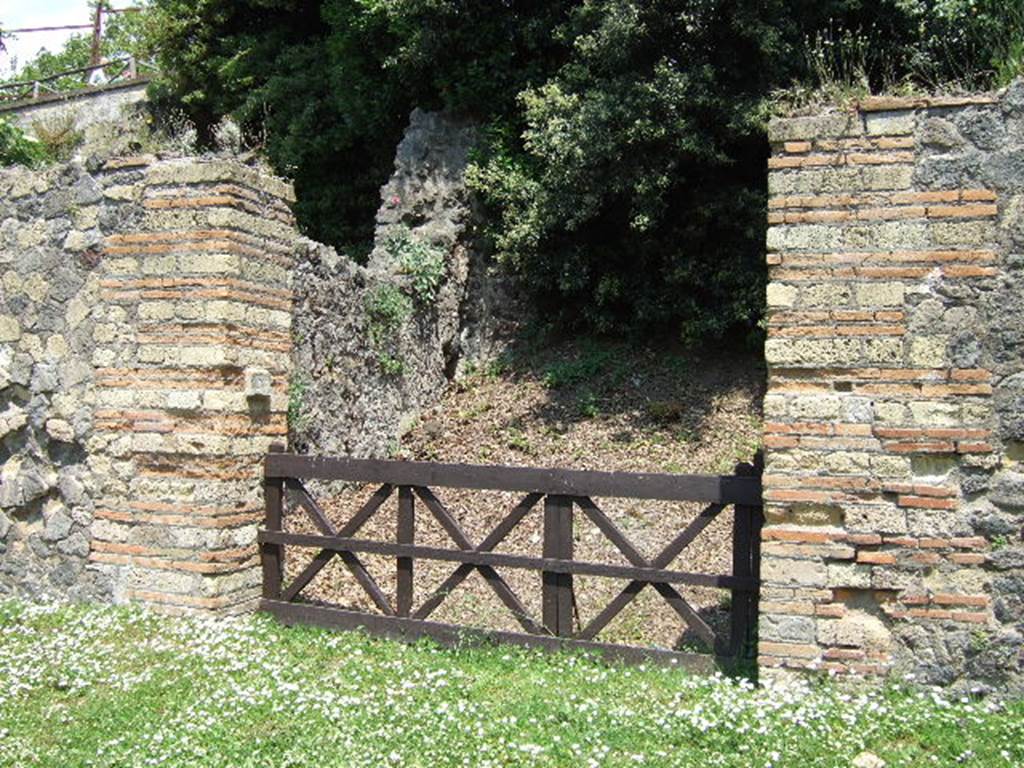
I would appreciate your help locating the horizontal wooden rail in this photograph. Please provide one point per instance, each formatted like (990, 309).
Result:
(473, 557)
(68, 72)
(719, 489)
(410, 629)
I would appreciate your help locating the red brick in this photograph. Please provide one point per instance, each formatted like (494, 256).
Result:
(945, 598)
(844, 653)
(942, 196)
(832, 610)
(876, 558)
(961, 211)
(965, 447)
(956, 270)
(926, 502)
(802, 536)
(972, 618)
(922, 447)
(798, 650)
(969, 542)
(868, 539)
(970, 374)
(967, 558)
(901, 541)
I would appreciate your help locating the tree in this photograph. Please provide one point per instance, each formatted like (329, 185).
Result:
(123, 34)
(623, 170)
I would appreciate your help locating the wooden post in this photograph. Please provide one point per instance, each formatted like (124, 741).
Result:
(97, 32)
(272, 555)
(406, 535)
(741, 569)
(746, 564)
(556, 595)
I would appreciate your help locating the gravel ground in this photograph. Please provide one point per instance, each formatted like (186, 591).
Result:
(585, 405)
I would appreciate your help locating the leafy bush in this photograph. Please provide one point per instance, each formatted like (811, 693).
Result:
(594, 360)
(17, 148)
(423, 262)
(623, 173)
(297, 387)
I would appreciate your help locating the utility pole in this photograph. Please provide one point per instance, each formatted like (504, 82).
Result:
(97, 32)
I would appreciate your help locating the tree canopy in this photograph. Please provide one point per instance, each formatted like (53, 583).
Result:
(622, 173)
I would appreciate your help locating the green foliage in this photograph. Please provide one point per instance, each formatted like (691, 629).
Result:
(420, 260)
(622, 174)
(16, 148)
(297, 387)
(124, 34)
(595, 360)
(388, 308)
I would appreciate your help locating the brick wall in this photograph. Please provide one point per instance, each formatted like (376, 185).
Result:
(198, 308)
(175, 317)
(895, 407)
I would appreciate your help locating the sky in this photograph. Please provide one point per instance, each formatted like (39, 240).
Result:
(38, 13)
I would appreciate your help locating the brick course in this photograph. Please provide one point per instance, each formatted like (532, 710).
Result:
(894, 399)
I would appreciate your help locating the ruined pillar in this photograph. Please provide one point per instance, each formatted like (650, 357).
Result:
(895, 405)
(191, 376)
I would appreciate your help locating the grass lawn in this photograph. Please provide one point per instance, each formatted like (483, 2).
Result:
(102, 686)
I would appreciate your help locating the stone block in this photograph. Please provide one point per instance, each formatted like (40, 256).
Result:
(857, 629)
(876, 519)
(884, 351)
(10, 328)
(812, 352)
(825, 295)
(880, 294)
(804, 573)
(781, 295)
(895, 123)
(849, 575)
(787, 629)
(930, 413)
(928, 351)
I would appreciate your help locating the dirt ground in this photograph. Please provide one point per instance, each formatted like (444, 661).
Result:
(581, 405)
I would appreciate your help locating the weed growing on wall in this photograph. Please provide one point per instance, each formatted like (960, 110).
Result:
(388, 308)
(296, 399)
(59, 136)
(421, 261)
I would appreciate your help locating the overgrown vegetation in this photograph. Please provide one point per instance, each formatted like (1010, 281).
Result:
(622, 175)
(107, 686)
(298, 385)
(388, 308)
(421, 261)
(58, 135)
(18, 148)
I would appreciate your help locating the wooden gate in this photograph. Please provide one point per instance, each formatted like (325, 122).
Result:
(551, 492)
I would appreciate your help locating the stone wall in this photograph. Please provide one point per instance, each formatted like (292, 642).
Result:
(84, 108)
(360, 380)
(895, 406)
(151, 349)
(144, 358)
